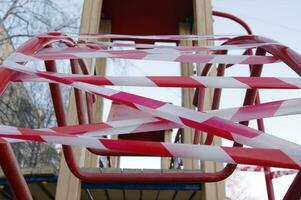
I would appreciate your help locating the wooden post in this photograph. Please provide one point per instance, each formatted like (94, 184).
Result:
(69, 187)
(187, 96)
(204, 26)
(167, 138)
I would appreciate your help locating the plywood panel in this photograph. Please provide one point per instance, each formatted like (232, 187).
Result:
(182, 195)
(132, 194)
(116, 194)
(166, 194)
(37, 193)
(99, 194)
(149, 194)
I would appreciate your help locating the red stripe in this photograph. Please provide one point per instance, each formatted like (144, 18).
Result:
(6, 76)
(81, 129)
(36, 138)
(259, 59)
(95, 80)
(154, 126)
(143, 148)
(268, 157)
(127, 98)
(166, 81)
(222, 128)
(54, 77)
(265, 82)
(208, 127)
(261, 111)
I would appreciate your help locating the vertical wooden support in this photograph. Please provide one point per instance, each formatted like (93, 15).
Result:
(187, 95)
(203, 25)
(165, 162)
(69, 187)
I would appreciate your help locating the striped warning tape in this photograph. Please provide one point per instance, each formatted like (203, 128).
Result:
(280, 173)
(182, 116)
(273, 174)
(157, 48)
(285, 154)
(203, 152)
(179, 81)
(76, 53)
(156, 37)
(245, 113)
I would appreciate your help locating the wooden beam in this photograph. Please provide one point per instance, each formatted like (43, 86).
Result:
(69, 187)
(165, 162)
(187, 95)
(203, 25)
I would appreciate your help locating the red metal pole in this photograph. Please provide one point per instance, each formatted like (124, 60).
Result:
(294, 191)
(13, 173)
(267, 170)
(8, 162)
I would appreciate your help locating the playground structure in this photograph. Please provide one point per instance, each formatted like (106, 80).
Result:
(153, 115)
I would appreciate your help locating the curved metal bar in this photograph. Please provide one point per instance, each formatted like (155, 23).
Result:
(209, 139)
(267, 170)
(233, 18)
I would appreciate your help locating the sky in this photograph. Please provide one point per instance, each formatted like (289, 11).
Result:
(275, 19)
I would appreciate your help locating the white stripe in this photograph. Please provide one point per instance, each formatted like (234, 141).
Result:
(227, 113)
(218, 82)
(126, 81)
(77, 141)
(95, 54)
(289, 107)
(45, 129)
(163, 51)
(184, 112)
(162, 57)
(94, 88)
(294, 154)
(9, 130)
(292, 81)
(15, 66)
(19, 57)
(11, 140)
(268, 141)
(227, 59)
(158, 113)
(202, 152)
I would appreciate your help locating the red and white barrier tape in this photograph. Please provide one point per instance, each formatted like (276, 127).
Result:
(152, 124)
(280, 173)
(157, 48)
(273, 174)
(179, 81)
(182, 116)
(285, 154)
(143, 37)
(77, 53)
(250, 169)
(244, 113)
(156, 37)
(202, 152)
